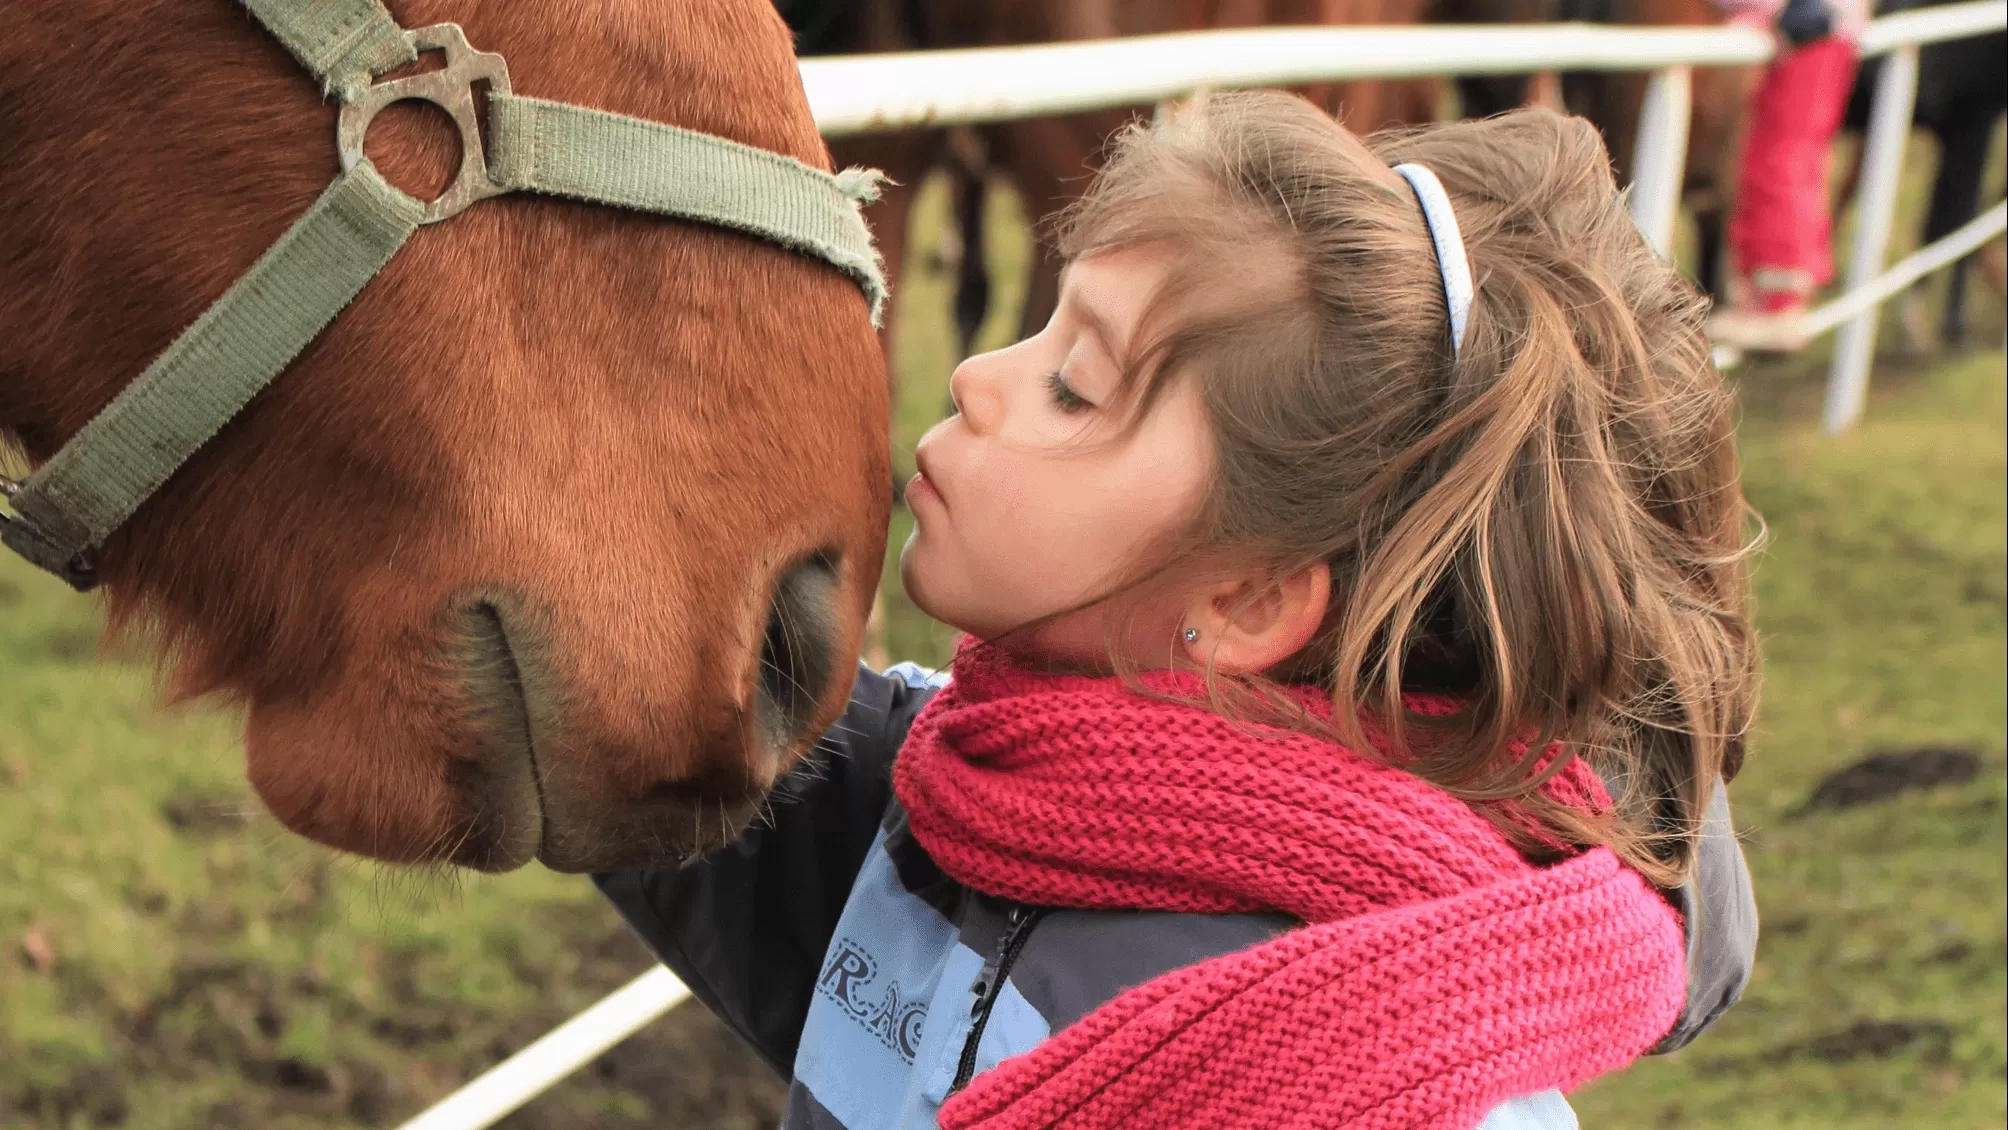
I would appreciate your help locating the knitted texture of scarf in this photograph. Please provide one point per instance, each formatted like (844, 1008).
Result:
(1439, 974)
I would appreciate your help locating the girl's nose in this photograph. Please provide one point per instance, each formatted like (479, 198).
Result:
(975, 388)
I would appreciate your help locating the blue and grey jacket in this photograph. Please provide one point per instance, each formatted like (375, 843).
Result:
(879, 986)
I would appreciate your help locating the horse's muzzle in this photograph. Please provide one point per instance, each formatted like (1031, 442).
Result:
(551, 785)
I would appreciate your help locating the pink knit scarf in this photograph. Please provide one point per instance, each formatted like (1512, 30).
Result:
(1439, 973)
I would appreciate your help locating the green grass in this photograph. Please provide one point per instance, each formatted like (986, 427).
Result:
(1881, 601)
(170, 958)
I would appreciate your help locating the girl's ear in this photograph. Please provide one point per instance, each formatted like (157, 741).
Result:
(1250, 624)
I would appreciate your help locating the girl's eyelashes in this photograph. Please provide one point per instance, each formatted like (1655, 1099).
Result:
(1064, 396)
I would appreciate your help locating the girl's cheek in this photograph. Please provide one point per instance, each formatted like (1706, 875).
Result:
(1014, 496)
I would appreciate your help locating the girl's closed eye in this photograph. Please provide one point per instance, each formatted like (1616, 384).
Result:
(1064, 396)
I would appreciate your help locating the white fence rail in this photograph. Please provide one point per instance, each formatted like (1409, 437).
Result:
(869, 93)
(863, 94)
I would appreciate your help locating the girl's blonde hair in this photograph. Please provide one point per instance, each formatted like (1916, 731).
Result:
(1548, 529)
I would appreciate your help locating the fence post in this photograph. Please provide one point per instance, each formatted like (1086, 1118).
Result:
(1659, 157)
(1875, 211)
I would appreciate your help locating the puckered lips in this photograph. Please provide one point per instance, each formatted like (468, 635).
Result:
(921, 488)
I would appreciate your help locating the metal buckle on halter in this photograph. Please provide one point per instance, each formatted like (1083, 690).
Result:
(80, 571)
(452, 90)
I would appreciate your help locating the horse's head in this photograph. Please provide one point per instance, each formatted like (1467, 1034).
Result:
(559, 541)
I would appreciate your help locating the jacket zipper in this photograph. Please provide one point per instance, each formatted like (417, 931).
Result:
(1021, 920)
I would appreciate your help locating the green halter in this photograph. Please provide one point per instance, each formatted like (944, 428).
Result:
(91, 486)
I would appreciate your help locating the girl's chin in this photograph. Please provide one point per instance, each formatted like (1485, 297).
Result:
(940, 604)
(917, 575)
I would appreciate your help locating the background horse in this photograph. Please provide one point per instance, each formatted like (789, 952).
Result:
(559, 542)
(1612, 100)
(1962, 92)
(1364, 105)
(1048, 161)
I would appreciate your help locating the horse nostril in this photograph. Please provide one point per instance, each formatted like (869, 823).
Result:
(798, 650)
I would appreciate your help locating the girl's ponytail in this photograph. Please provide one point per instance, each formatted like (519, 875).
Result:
(1543, 526)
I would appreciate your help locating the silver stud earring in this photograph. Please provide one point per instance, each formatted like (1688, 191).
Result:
(1192, 635)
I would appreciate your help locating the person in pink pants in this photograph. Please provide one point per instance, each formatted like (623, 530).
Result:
(1780, 234)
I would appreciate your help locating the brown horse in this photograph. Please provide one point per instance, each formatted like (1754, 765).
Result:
(1715, 130)
(1613, 100)
(558, 543)
(1048, 161)
(1364, 105)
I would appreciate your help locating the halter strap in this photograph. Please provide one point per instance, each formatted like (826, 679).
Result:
(612, 159)
(95, 482)
(342, 43)
(246, 337)
(1441, 220)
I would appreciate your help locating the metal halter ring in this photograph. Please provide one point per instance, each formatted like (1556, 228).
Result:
(80, 571)
(452, 90)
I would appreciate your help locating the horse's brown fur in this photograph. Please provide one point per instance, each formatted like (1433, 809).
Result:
(1363, 105)
(552, 444)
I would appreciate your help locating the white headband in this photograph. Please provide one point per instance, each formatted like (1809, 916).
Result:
(1442, 223)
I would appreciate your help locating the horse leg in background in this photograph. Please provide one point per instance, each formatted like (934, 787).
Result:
(1225, 13)
(1050, 161)
(1613, 102)
(1963, 143)
(1710, 250)
(1715, 131)
(1358, 105)
(1368, 105)
(1714, 154)
(1545, 91)
(968, 170)
(1415, 102)
(1993, 260)
(1850, 179)
(1481, 96)
(1042, 190)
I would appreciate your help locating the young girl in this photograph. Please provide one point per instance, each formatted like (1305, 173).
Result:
(1357, 646)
